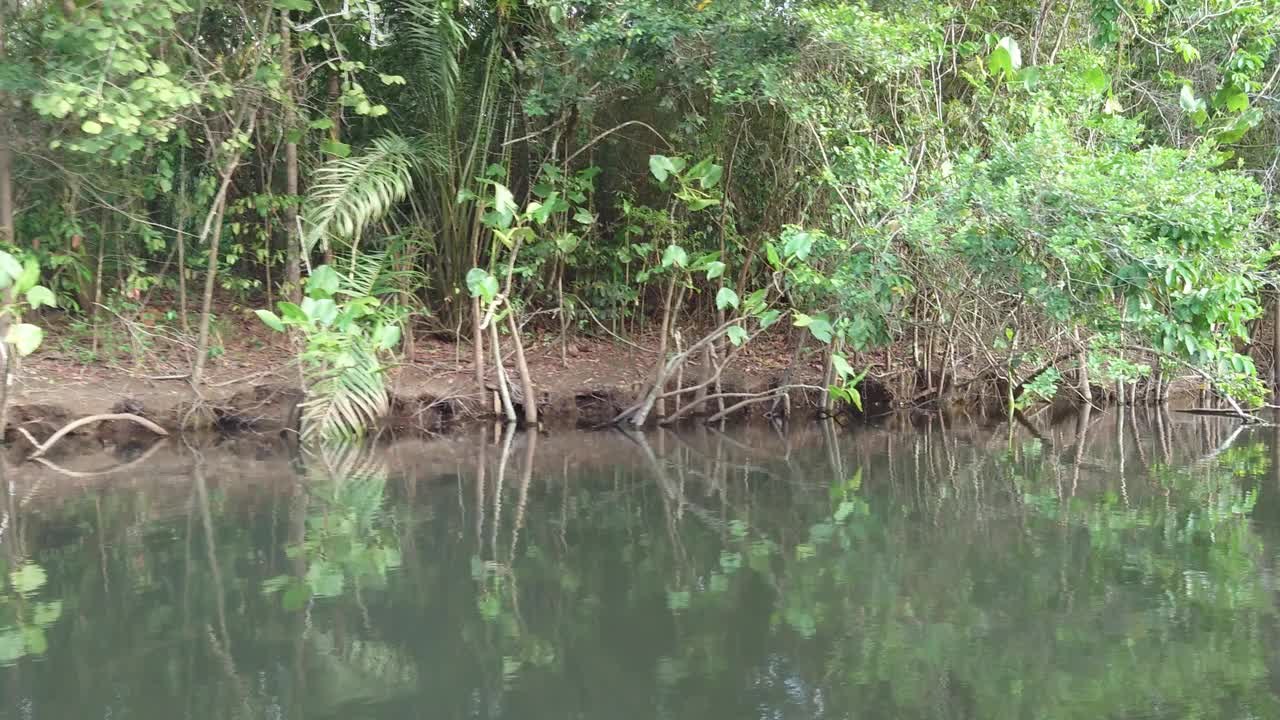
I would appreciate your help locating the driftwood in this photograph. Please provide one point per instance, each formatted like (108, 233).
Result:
(42, 448)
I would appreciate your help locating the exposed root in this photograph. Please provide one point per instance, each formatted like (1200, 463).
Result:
(42, 448)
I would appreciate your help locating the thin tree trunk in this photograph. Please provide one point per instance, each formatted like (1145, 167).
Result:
(293, 263)
(1086, 394)
(659, 375)
(477, 342)
(182, 252)
(206, 304)
(97, 282)
(335, 134)
(7, 231)
(500, 374)
(1275, 342)
(212, 230)
(522, 367)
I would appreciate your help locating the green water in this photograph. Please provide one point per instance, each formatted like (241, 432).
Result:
(1122, 568)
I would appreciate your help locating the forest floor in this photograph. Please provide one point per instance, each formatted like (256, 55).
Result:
(253, 380)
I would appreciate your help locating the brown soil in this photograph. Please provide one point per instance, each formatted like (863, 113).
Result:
(252, 383)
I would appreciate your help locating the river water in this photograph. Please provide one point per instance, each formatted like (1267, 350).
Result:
(1119, 566)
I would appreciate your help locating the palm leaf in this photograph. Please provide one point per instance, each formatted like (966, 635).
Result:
(345, 395)
(437, 37)
(350, 193)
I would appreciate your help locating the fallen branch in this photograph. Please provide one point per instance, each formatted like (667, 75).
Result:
(41, 449)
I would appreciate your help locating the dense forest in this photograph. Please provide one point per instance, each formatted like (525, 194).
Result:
(954, 199)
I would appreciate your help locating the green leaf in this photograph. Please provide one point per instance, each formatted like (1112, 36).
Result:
(335, 148)
(386, 336)
(841, 366)
(566, 242)
(582, 217)
(661, 167)
(299, 5)
(391, 79)
(91, 127)
(292, 313)
(10, 269)
(715, 269)
(323, 123)
(25, 337)
(726, 298)
(771, 254)
(323, 281)
(1189, 102)
(30, 275)
(321, 311)
(711, 177)
(1096, 80)
(769, 318)
(504, 205)
(41, 296)
(798, 245)
(482, 284)
(737, 335)
(270, 319)
(1006, 59)
(821, 328)
(1232, 98)
(674, 255)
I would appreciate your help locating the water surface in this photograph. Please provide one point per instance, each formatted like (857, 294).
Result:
(1121, 567)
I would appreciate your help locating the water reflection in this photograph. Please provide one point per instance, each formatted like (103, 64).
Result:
(1103, 566)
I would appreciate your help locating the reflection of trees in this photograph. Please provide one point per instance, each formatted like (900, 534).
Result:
(934, 572)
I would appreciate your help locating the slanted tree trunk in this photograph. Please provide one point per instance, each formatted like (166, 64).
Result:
(212, 231)
(522, 368)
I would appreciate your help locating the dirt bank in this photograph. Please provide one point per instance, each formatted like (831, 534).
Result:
(252, 385)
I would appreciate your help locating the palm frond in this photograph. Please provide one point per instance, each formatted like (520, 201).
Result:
(365, 274)
(350, 193)
(437, 36)
(346, 396)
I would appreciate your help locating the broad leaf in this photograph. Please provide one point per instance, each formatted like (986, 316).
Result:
(292, 313)
(482, 284)
(737, 335)
(661, 167)
(715, 269)
(726, 297)
(41, 296)
(674, 255)
(25, 337)
(1095, 79)
(270, 319)
(798, 245)
(323, 281)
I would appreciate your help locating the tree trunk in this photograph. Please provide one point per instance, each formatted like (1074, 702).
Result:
(293, 263)
(522, 367)
(659, 375)
(1086, 394)
(1275, 342)
(7, 232)
(210, 281)
(212, 230)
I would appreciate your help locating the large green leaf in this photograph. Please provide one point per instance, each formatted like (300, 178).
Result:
(270, 319)
(25, 337)
(726, 297)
